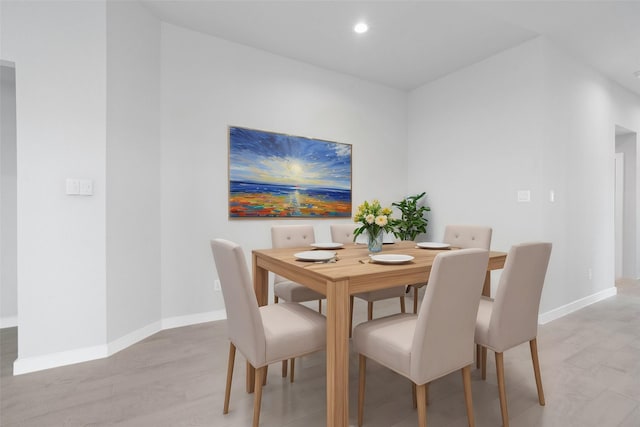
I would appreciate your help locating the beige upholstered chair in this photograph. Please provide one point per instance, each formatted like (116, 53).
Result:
(266, 334)
(468, 236)
(464, 237)
(512, 317)
(293, 236)
(436, 341)
(343, 233)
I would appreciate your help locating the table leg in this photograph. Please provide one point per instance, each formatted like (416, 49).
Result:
(486, 288)
(261, 288)
(260, 283)
(338, 354)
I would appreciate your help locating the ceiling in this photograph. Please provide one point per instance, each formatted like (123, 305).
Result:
(411, 43)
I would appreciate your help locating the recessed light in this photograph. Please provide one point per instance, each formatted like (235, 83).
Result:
(361, 27)
(637, 74)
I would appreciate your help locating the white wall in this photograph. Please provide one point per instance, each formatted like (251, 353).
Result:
(209, 84)
(469, 131)
(580, 138)
(8, 199)
(133, 172)
(530, 118)
(626, 144)
(59, 51)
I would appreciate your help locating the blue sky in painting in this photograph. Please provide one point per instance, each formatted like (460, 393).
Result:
(275, 158)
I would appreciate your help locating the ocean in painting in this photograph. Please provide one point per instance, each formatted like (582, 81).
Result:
(252, 199)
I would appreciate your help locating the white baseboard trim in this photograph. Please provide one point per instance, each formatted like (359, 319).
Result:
(8, 322)
(193, 319)
(576, 305)
(38, 363)
(133, 337)
(26, 365)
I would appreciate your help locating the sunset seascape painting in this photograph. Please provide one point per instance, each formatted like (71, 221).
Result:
(274, 175)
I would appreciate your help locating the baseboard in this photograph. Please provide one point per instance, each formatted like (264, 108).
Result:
(133, 337)
(8, 322)
(55, 360)
(193, 319)
(576, 305)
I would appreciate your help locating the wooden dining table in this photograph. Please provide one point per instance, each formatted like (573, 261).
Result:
(351, 273)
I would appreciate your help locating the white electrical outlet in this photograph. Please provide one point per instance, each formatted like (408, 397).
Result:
(216, 285)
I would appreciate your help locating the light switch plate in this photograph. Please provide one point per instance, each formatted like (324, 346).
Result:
(524, 195)
(86, 187)
(73, 186)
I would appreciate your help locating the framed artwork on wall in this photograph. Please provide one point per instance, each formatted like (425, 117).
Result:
(274, 175)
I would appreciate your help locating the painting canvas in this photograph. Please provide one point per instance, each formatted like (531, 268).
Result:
(274, 175)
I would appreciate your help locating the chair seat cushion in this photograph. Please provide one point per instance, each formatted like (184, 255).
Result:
(482, 322)
(292, 330)
(294, 292)
(388, 341)
(382, 294)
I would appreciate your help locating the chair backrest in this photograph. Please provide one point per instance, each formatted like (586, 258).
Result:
(444, 334)
(342, 233)
(468, 236)
(244, 323)
(514, 318)
(291, 236)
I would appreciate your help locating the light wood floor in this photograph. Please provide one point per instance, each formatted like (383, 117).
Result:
(590, 364)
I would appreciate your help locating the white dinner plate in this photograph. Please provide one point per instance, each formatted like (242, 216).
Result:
(391, 258)
(433, 245)
(315, 255)
(327, 245)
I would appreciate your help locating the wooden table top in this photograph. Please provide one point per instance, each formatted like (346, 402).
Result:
(353, 264)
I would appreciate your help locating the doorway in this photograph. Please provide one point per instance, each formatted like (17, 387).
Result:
(626, 236)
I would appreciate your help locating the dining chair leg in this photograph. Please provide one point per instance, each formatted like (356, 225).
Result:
(426, 394)
(292, 368)
(468, 399)
(533, 345)
(361, 385)
(227, 390)
(250, 378)
(275, 299)
(501, 389)
(266, 373)
(370, 311)
(260, 374)
(478, 361)
(351, 298)
(483, 362)
(413, 395)
(402, 305)
(421, 398)
(320, 306)
(284, 368)
(415, 299)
